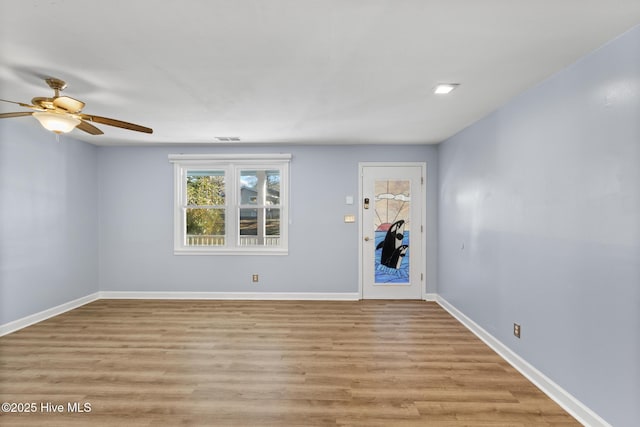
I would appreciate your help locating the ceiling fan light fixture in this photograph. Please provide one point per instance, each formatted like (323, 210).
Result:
(56, 122)
(445, 88)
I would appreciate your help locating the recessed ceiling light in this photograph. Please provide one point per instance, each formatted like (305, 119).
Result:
(445, 88)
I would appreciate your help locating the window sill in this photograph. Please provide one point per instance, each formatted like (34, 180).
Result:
(241, 252)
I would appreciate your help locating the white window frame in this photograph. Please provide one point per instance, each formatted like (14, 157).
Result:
(232, 164)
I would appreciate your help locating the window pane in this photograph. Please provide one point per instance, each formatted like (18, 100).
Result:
(205, 227)
(272, 220)
(260, 227)
(205, 188)
(248, 222)
(260, 187)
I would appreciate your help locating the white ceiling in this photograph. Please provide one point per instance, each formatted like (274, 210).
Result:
(294, 71)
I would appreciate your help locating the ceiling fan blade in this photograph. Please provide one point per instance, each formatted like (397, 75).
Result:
(19, 114)
(68, 104)
(89, 128)
(116, 123)
(19, 103)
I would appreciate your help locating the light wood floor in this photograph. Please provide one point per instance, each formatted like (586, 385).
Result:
(265, 363)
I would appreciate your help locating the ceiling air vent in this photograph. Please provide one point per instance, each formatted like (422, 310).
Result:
(228, 138)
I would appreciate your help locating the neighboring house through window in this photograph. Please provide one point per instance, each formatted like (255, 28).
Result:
(231, 204)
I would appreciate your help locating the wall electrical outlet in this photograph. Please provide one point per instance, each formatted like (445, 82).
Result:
(255, 278)
(516, 330)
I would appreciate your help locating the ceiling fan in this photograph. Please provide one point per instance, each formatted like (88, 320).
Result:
(62, 114)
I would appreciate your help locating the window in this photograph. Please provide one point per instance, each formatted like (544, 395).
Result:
(231, 204)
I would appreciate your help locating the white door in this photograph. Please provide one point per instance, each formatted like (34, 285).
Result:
(392, 246)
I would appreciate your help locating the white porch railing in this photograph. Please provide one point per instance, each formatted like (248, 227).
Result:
(200, 240)
(254, 241)
(204, 240)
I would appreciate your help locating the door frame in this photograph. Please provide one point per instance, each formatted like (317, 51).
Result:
(423, 219)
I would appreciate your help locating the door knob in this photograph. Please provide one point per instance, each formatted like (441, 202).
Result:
(366, 239)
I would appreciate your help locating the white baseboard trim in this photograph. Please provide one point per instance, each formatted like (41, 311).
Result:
(563, 398)
(273, 296)
(15, 325)
(431, 297)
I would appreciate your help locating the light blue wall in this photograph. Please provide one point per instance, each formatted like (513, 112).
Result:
(544, 194)
(48, 219)
(136, 223)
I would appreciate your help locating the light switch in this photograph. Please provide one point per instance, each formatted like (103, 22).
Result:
(349, 200)
(349, 218)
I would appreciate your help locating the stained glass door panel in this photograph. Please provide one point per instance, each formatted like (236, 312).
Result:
(392, 227)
